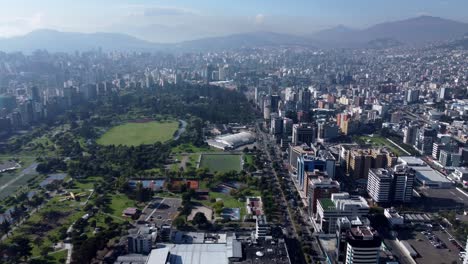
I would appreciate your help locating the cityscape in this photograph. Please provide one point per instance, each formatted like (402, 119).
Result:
(266, 144)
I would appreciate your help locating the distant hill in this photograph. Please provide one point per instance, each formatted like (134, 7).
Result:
(245, 40)
(383, 43)
(335, 34)
(419, 30)
(414, 31)
(56, 41)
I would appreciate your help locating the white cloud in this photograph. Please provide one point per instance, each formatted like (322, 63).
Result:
(259, 19)
(13, 26)
(167, 11)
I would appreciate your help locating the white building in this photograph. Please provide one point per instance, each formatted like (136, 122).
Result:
(340, 205)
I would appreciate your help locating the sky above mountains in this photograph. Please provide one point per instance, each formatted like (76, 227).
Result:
(178, 20)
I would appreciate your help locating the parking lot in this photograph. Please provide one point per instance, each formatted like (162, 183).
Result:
(433, 247)
(161, 211)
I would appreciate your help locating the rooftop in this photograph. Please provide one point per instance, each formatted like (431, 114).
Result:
(327, 204)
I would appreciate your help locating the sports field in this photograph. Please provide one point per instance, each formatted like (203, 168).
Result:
(139, 133)
(221, 162)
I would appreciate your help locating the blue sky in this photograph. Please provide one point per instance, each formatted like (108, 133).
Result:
(175, 20)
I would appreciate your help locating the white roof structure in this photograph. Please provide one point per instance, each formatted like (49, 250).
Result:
(232, 140)
(212, 253)
(191, 253)
(432, 178)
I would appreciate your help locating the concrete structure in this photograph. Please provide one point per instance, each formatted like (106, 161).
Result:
(424, 174)
(262, 228)
(393, 217)
(304, 133)
(340, 205)
(232, 141)
(392, 185)
(141, 242)
(357, 242)
(319, 188)
(213, 253)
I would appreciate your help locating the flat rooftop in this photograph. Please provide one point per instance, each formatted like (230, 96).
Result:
(327, 204)
(190, 253)
(428, 174)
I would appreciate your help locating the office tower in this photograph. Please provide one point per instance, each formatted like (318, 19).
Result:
(297, 151)
(329, 210)
(319, 188)
(35, 95)
(274, 102)
(327, 131)
(357, 242)
(412, 96)
(287, 126)
(379, 185)
(409, 134)
(303, 133)
(304, 100)
(266, 109)
(222, 72)
(425, 139)
(26, 111)
(276, 127)
(262, 228)
(392, 185)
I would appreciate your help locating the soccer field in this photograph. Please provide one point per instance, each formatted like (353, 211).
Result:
(139, 133)
(221, 162)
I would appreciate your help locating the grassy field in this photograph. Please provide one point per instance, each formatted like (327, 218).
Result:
(221, 163)
(381, 141)
(134, 134)
(119, 203)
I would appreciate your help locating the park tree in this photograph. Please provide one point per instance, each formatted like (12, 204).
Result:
(199, 219)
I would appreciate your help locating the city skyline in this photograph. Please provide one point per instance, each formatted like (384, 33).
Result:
(174, 21)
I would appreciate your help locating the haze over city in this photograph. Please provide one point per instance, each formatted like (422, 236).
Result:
(175, 21)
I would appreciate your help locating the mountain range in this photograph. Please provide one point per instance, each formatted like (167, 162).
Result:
(413, 31)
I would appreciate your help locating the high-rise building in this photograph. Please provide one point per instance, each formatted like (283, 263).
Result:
(338, 206)
(262, 228)
(412, 96)
(409, 134)
(274, 102)
(357, 242)
(327, 131)
(35, 94)
(276, 127)
(425, 139)
(141, 242)
(392, 185)
(303, 133)
(287, 126)
(360, 162)
(320, 188)
(304, 100)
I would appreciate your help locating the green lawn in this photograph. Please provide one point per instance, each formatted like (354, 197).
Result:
(228, 201)
(59, 256)
(134, 134)
(87, 183)
(221, 163)
(381, 141)
(119, 203)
